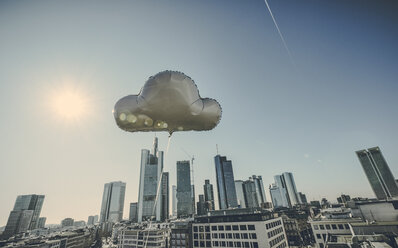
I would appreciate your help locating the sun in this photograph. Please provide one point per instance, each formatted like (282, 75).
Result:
(69, 103)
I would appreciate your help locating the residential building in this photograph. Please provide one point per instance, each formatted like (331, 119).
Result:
(225, 183)
(113, 202)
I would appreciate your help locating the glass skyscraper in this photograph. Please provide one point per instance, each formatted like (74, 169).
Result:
(225, 183)
(113, 202)
(150, 174)
(378, 173)
(284, 192)
(209, 195)
(184, 189)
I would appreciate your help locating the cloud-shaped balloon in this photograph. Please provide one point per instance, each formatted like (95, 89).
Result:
(169, 101)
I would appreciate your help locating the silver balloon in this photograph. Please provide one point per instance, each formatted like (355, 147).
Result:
(169, 101)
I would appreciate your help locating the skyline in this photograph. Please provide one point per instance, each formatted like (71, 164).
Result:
(307, 120)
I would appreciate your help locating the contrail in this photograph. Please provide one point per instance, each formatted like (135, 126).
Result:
(279, 31)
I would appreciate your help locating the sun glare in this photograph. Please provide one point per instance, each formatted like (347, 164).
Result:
(69, 104)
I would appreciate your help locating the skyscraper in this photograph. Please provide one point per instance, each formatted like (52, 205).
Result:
(225, 183)
(18, 221)
(291, 188)
(165, 196)
(240, 196)
(174, 200)
(378, 173)
(278, 193)
(133, 212)
(209, 195)
(201, 205)
(250, 194)
(150, 174)
(184, 189)
(258, 182)
(42, 222)
(113, 202)
(25, 214)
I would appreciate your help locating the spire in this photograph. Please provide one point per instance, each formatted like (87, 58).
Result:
(155, 146)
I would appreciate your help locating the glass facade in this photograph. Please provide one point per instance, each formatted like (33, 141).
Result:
(150, 174)
(378, 173)
(184, 189)
(113, 202)
(225, 183)
(209, 195)
(291, 188)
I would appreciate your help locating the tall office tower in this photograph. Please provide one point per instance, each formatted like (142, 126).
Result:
(302, 197)
(133, 217)
(90, 220)
(165, 196)
(225, 183)
(96, 218)
(378, 173)
(291, 188)
(174, 200)
(278, 193)
(258, 182)
(150, 174)
(249, 191)
(113, 202)
(240, 196)
(18, 221)
(42, 222)
(25, 214)
(201, 205)
(209, 195)
(184, 189)
(30, 202)
(193, 198)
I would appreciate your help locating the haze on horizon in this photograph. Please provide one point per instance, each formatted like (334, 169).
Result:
(308, 119)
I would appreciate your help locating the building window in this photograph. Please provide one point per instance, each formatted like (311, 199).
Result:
(245, 236)
(222, 235)
(346, 226)
(229, 235)
(230, 244)
(215, 243)
(196, 243)
(316, 227)
(321, 245)
(208, 243)
(235, 227)
(207, 228)
(321, 227)
(341, 226)
(243, 227)
(215, 235)
(228, 228)
(221, 228)
(251, 227)
(328, 227)
(237, 244)
(253, 236)
(255, 245)
(318, 236)
(334, 227)
(201, 229)
(195, 236)
(195, 229)
(236, 236)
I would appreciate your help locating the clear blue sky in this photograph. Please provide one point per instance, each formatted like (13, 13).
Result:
(308, 118)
